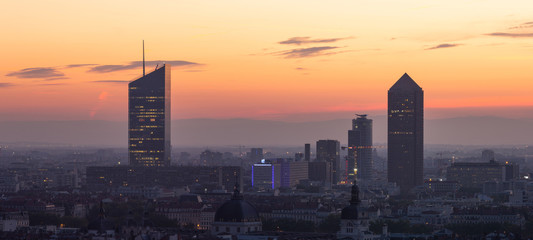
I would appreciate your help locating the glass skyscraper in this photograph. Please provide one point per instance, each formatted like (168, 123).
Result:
(405, 134)
(149, 119)
(360, 149)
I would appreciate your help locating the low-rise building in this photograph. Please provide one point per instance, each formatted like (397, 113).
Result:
(12, 220)
(474, 174)
(483, 215)
(437, 186)
(276, 173)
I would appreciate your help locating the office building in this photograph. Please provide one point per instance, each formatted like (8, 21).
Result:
(212, 177)
(405, 134)
(263, 175)
(293, 172)
(280, 172)
(475, 174)
(256, 154)
(320, 171)
(437, 186)
(487, 155)
(360, 161)
(298, 156)
(512, 171)
(149, 119)
(211, 158)
(329, 151)
(307, 152)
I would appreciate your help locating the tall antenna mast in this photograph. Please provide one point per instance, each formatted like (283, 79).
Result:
(144, 71)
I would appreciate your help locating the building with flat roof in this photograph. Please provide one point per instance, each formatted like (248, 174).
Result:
(329, 151)
(256, 154)
(360, 162)
(276, 173)
(474, 174)
(307, 152)
(102, 178)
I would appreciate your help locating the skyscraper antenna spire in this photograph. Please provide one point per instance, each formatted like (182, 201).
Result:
(144, 70)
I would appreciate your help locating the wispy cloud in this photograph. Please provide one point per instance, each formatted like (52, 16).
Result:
(6, 84)
(139, 64)
(80, 65)
(308, 40)
(56, 78)
(523, 25)
(38, 72)
(511, 35)
(52, 84)
(307, 52)
(300, 68)
(444, 45)
(112, 81)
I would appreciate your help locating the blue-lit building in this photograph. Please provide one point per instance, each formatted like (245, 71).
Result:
(149, 119)
(263, 175)
(280, 172)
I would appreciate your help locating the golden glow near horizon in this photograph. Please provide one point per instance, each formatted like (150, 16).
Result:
(336, 56)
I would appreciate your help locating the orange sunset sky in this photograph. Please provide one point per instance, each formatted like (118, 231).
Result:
(284, 60)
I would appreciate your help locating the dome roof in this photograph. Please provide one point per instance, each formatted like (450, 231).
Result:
(351, 211)
(236, 210)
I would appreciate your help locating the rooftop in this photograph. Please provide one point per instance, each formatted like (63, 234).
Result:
(405, 83)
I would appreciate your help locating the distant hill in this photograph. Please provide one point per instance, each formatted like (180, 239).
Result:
(216, 132)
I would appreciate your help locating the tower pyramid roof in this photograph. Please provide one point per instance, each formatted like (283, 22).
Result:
(405, 83)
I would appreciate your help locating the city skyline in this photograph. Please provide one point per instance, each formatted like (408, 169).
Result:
(284, 120)
(223, 61)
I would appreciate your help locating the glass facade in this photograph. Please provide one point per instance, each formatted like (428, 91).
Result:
(405, 134)
(329, 151)
(149, 119)
(473, 175)
(360, 149)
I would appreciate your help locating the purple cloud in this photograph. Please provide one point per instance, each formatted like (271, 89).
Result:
(6, 84)
(39, 72)
(79, 65)
(308, 40)
(112, 81)
(139, 64)
(512, 35)
(444, 45)
(52, 84)
(307, 52)
(523, 25)
(56, 78)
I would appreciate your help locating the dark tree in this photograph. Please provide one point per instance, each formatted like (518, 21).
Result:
(41, 218)
(331, 224)
(74, 222)
(288, 225)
